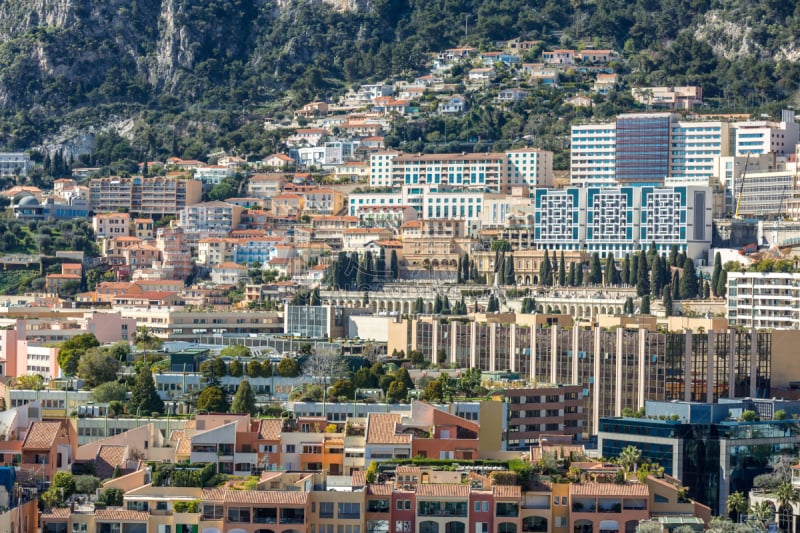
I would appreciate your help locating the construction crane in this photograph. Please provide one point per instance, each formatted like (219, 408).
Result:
(741, 188)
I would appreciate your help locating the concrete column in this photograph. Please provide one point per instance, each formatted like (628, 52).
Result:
(753, 361)
(492, 347)
(732, 363)
(534, 333)
(710, 378)
(512, 348)
(575, 347)
(644, 360)
(595, 390)
(473, 359)
(553, 359)
(453, 342)
(434, 343)
(618, 376)
(687, 366)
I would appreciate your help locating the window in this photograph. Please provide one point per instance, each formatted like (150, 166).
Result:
(326, 509)
(348, 510)
(290, 448)
(477, 506)
(486, 506)
(80, 528)
(239, 514)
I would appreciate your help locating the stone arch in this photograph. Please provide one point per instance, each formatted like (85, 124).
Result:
(537, 524)
(604, 310)
(583, 526)
(618, 310)
(527, 280)
(520, 280)
(428, 526)
(535, 280)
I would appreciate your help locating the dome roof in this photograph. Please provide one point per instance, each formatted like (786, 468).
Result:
(29, 201)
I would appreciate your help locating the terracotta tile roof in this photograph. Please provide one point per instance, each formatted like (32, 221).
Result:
(41, 435)
(380, 429)
(507, 491)
(108, 458)
(442, 490)
(279, 497)
(213, 494)
(408, 469)
(120, 515)
(608, 489)
(270, 429)
(358, 478)
(56, 512)
(379, 490)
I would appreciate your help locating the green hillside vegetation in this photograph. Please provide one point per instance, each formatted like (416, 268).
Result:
(191, 73)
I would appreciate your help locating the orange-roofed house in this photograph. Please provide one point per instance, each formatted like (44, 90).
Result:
(287, 205)
(355, 239)
(49, 447)
(143, 228)
(382, 440)
(228, 273)
(111, 225)
(281, 161)
(607, 506)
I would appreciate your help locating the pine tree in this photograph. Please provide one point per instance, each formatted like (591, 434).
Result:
(394, 265)
(668, 302)
(645, 310)
(595, 270)
(689, 286)
(562, 270)
(244, 401)
(716, 273)
(642, 279)
(144, 398)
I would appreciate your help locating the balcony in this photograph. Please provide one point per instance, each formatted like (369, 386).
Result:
(456, 509)
(265, 515)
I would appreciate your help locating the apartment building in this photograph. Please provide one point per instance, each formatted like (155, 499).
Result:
(15, 164)
(209, 219)
(764, 300)
(111, 225)
(764, 136)
(648, 148)
(624, 220)
(489, 172)
(155, 196)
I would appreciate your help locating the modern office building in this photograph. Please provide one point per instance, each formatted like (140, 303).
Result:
(622, 220)
(642, 151)
(616, 368)
(703, 444)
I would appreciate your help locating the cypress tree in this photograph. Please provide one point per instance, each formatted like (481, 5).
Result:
(546, 271)
(628, 309)
(509, 277)
(612, 276)
(465, 268)
(689, 288)
(562, 274)
(676, 286)
(645, 310)
(572, 274)
(626, 269)
(722, 284)
(437, 305)
(716, 273)
(459, 268)
(419, 305)
(380, 266)
(394, 265)
(668, 302)
(655, 277)
(642, 281)
(634, 270)
(673, 255)
(595, 270)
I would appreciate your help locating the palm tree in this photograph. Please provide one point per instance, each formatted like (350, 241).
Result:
(736, 504)
(761, 513)
(785, 496)
(629, 457)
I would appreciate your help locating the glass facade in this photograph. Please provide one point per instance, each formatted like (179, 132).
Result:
(642, 150)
